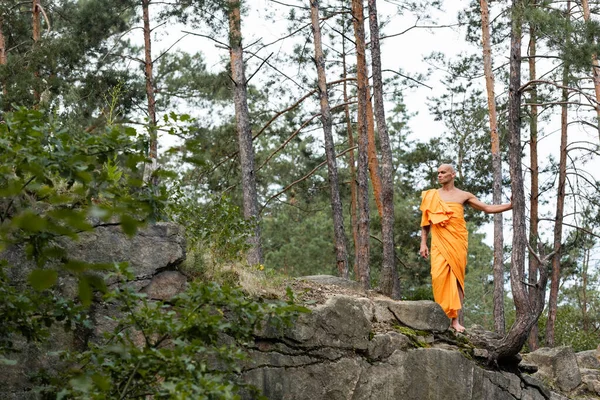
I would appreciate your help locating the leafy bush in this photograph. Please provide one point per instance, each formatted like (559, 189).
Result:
(56, 183)
(191, 347)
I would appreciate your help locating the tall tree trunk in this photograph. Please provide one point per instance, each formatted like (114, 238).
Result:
(498, 268)
(595, 65)
(36, 23)
(362, 248)
(242, 117)
(534, 183)
(527, 313)
(560, 204)
(584, 284)
(390, 284)
(148, 66)
(336, 203)
(351, 161)
(3, 61)
(374, 171)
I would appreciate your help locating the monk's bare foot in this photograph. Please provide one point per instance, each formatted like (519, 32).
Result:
(456, 326)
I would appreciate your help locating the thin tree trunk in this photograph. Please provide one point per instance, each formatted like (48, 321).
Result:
(242, 117)
(584, 283)
(527, 313)
(560, 205)
(374, 171)
(362, 248)
(148, 67)
(595, 65)
(36, 23)
(390, 284)
(534, 168)
(498, 268)
(3, 61)
(336, 203)
(351, 161)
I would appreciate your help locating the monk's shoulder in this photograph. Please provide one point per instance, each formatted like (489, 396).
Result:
(466, 196)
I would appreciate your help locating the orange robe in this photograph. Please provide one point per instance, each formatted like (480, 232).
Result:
(449, 242)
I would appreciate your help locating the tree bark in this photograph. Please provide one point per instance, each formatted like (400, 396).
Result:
(336, 203)
(498, 268)
(534, 183)
(148, 72)
(595, 65)
(242, 117)
(351, 160)
(527, 313)
(584, 284)
(390, 285)
(560, 205)
(374, 171)
(363, 234)
(3, 61)
(36, 24)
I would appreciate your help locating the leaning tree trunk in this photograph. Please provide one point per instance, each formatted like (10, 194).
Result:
(336, 203)
(534, 183)
(148, 66)
(560, 205)
(362, 248)
(527, 313)
(595, 65)
(390, 284)
(242, 117)
(498, 268)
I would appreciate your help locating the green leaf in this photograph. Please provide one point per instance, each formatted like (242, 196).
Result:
(129, 225)
(6, 361)
(41, 279)
(85, 291)
(29, 221)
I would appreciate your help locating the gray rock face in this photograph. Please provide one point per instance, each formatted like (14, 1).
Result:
(152, 249)
(153, 255)
(422, 315)
(340, 322)
(588, 359)
(559, 365)
(334, 353)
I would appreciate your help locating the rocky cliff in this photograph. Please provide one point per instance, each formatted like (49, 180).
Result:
(353, 345)
(358, 346)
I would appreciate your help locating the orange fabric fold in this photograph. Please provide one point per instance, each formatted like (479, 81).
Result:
(449, 243)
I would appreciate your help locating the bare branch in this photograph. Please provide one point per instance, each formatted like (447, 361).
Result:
(415, 26)
(208, 37)
(45, 17)
(170, 47)
(407, 77)
(259, 67)
(302, 179)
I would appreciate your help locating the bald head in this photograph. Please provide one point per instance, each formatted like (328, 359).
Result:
(446, 175)
(447, 167)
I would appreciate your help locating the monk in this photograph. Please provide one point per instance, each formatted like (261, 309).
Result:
(443, 215)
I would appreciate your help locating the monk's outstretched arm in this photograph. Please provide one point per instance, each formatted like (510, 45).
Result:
(487, 208)
(424, 251)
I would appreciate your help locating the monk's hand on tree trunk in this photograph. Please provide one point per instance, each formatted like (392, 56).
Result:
(424, 252)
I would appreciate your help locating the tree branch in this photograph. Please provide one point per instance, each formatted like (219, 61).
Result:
(302, 179)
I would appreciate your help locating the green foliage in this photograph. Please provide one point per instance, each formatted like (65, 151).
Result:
(190, 347)
(57, 183)
(30, 312)
(297, 242)
(216, 226)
